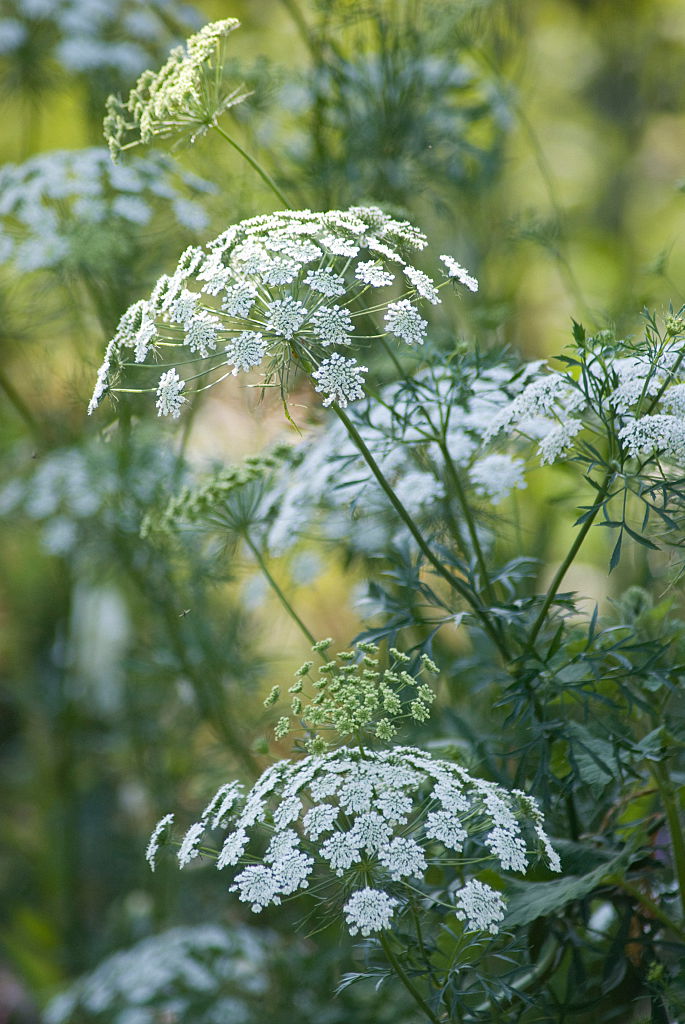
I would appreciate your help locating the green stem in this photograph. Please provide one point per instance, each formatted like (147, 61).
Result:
(461, 588)
(566, 564)
(470, 525)
(406, 981)
(670, 801)
(20, 405)
(255, 166)
(277, 590)
(648, 904)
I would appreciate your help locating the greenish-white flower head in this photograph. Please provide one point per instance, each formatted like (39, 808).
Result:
(180, 101)
(187, 973)
(360, 829)
(352, 695)
(271, 293)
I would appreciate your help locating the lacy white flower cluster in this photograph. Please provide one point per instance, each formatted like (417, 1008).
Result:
(46, 202)
(375, 821)
(281, 288)
(111, 36)
(324, 477)
(544, 411)
(184, 98)
(72, 491)
(634, 387)
(204, 974)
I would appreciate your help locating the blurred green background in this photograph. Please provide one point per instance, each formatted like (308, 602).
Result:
(541, 142)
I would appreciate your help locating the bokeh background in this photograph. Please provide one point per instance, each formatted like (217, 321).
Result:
(541, 142)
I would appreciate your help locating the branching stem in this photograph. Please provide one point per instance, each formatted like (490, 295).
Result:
(457, 584)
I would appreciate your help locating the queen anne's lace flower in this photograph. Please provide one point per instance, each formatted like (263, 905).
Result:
(324, 816)
(369, 910)
(197, 974)
(403, 320)
(340, 380)
(246, 351)
(169, 397)
(160, 828)
(455, 270)
(183, 98)
(271, 276)
(480, 906)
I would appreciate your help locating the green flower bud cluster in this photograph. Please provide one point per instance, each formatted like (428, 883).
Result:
(231, 496)
(183, 99)
(353, 695)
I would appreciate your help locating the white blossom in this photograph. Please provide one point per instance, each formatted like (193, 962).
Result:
(455, 270)
(423, 284)
(660, 433)
(371, 272)
(326, 281)
(286, 316)
(369, 910)
(340, 380)
(404, 321)
(246, 351)
(446, 827)
(480, 906)
(556, 442)
(169, 397)
(332, 325)
(258, 885)
(403, 857)
(238, 299)
(153, 845)
(188, 849)
(495, 476)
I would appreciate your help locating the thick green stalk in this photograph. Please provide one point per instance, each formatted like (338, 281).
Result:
(266, 178)
(406, 981)
(461, 588)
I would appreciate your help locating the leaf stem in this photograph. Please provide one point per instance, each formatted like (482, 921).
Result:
(266, 178)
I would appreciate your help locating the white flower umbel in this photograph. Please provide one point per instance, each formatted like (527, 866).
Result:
(202, 974)
(496, 476)
(162, 826)
(273, 277)
(183, 99)
(169, 397)
(340, 380)
(368, 822)
(369, 910)
(404, 321)
(70, 205)
(246, 351)
(480, 906)
(456, 271)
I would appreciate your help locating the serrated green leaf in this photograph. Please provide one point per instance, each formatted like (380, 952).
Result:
(530, 900)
